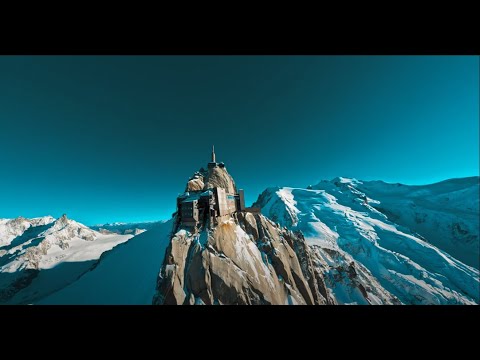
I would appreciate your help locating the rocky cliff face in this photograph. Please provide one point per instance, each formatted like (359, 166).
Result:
(213, 177)
(249, 259)
(245, 259)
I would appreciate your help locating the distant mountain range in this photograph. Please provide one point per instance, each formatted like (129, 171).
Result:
(125, 228)
(341, 241)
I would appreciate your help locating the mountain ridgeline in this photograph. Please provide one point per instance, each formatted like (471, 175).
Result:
(332, 243)
(341, 241)
(237, 257)
(43, 255)
(347, 222)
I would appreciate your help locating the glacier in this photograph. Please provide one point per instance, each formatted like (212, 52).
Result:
(344, 225)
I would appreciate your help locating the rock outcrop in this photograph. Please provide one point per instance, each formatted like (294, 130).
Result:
(245, 259)
(196, 182)
(213, 177)
(219, 177)
(237, 258)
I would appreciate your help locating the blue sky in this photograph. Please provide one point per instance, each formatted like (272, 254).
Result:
(115, 138)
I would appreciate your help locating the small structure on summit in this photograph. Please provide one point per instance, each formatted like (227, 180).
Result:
(213, 162)
(210, 194)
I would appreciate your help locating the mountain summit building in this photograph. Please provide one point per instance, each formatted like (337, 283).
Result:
(210, 194)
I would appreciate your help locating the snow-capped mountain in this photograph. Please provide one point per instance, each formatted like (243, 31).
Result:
(342, 241)
(39, 256)
(236, 257)
(446, 214)
(349, 234)
(124, 228)
(11, 228)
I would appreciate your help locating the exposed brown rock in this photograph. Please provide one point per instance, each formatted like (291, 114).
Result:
(246, 259)
(219, 177)
(195, 184)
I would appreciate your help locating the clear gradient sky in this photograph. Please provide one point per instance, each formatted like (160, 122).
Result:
(115, 138)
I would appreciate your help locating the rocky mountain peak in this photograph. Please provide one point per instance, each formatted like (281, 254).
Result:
(213, 177)
(223, 253)
(65, 229)
(61, 222)
(219, 177)
(245, 259)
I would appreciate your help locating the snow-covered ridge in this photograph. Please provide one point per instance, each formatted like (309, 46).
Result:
(345, 224)
(34, 246)
(62, 240)
(446, 214)
(118, 223)
(122, 228)
(11, 228)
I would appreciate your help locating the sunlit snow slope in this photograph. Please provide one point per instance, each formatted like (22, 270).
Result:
(446, 214)
(125, 275)
(39, 256)
(342, 225)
